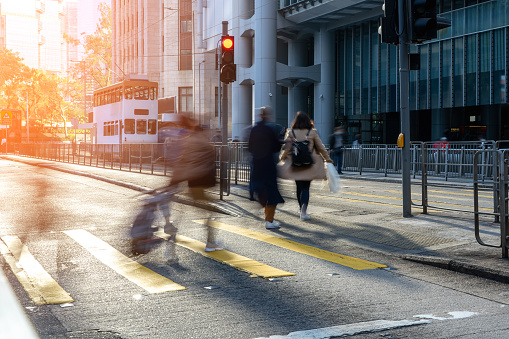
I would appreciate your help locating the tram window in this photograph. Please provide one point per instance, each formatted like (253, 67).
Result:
(128, 92)
(152, 126)
(129, 126)
(116, 128)
(105, 130)
(141, 126)
(141, 93)
(140, 111)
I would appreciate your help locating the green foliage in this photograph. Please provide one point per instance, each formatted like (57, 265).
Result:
(49, 98)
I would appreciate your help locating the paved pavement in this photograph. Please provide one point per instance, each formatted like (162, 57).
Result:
(437, 239)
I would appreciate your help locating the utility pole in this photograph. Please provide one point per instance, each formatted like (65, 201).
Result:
(404, 110)
(405, 22)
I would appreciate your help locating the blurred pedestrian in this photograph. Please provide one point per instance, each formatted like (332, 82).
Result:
(197, 167)
(357, 140)
(302, 128)
(336, 144)
(262, 145)
(172, 135)
(217, 137)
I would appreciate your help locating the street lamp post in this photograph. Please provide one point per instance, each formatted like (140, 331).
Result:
(28, 128)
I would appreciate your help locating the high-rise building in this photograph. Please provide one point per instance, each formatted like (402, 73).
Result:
(35, 29)
(157, 38)
(136, 42)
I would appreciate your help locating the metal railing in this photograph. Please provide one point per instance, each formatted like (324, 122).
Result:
(447, 160)
(451, 160)
(500, 189)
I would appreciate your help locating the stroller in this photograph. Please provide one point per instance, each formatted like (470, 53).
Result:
(142, 230)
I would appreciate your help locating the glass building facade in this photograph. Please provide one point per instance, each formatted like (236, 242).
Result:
(459, 92)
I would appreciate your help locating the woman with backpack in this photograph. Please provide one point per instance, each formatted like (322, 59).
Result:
(302, 141)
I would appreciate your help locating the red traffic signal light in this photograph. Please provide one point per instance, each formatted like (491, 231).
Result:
(228, 70)
(227, 42)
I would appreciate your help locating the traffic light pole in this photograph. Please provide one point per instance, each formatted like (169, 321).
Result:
(224, 127)
(404, 109)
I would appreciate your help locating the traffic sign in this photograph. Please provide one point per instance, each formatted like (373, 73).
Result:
(6, 118)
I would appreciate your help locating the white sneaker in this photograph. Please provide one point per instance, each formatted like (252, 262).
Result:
(271, 225)
(211, 247)
(304, 217)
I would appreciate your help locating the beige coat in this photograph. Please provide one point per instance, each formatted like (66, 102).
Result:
(319, 153)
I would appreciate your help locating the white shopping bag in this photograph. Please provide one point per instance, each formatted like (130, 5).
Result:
(333, 178)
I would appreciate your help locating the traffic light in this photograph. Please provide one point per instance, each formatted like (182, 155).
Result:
(422, 20)
(388, 28)
(228, 69)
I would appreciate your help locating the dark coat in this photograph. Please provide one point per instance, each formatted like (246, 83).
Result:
(263, 143)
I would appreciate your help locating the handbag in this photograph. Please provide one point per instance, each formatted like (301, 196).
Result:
(333, 178)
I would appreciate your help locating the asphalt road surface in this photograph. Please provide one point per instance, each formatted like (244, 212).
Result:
(66, 252)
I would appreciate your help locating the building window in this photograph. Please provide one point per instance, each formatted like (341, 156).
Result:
(186, 26)
(185, 99)
(186, 59)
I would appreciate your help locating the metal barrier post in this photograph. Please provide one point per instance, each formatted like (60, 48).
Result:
(503, 203)
(376, 158)
(496, 190)
(141, 159)
(424, 179)
(360, 160)
(130, 157)
(386, 159)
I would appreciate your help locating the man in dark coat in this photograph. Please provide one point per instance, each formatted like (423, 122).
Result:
(263, 143)
(336, 143)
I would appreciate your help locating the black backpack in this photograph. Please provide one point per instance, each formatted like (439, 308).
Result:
(301, 156)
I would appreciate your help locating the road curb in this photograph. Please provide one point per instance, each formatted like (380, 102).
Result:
(460, 267)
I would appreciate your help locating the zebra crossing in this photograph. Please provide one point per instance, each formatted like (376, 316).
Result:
(42, 288)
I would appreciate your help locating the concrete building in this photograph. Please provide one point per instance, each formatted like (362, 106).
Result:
(163, 39)
(35, 29)
(324, 57)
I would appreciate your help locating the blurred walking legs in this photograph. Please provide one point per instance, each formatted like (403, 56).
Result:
(303, 197)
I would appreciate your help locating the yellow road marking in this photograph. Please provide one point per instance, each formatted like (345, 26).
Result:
(355, 263)
(147, 279)
(232, 259)
(392, 198)
(373, 196)
(40, 286)
(356, 200)
(450, 193)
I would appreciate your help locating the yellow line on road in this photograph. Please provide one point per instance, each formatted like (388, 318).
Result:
(355, 263)
(40, 286)
(392, 198)
(449, 193)
(232, 259)
(372, 196)
(356, 200)
(147, 279)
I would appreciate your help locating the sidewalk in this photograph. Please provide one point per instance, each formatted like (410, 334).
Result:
(433, 239)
